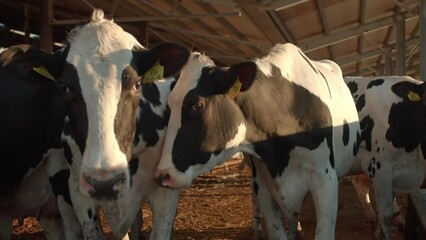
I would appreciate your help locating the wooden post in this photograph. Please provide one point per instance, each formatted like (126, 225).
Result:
(415, 218)
(46, 31)
(400, 46)
(27, 30)
(422, 40)
(388, 62)
(144, 34)
(411, 222)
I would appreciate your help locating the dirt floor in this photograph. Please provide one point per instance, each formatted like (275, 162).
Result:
(219, 206)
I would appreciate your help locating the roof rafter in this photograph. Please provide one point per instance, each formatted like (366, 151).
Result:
(352, 32)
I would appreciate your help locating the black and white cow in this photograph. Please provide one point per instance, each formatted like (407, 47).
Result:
(392, 151)
(34, 180)
(295, 114)
(114, 133)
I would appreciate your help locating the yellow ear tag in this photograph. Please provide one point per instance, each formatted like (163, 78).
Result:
(156, 72)
(412, 96)
(235, 89)
(43, 71)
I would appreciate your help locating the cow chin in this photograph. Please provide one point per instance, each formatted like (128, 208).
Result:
(109, 187)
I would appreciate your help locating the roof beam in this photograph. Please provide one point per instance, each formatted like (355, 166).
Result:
(203, 25)
(280, 4)
(264, 22)
(207, 35)
(320, 5)
(356, 58)
(114, 8)
(352, 32)
(232, 30)
(309, 45)
(150, 18)
(281, 27)
(315, 44)
(326, 29)
(413, 69)
(231, 3)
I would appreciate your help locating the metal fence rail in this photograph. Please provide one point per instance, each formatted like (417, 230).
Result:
(415, 223)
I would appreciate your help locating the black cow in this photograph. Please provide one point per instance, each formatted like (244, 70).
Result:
(34, 178)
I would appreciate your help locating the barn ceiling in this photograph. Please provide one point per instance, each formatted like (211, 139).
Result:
(360, 35)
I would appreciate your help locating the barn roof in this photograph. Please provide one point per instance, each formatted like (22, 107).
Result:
(360, 35)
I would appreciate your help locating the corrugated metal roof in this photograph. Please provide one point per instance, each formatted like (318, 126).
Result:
(357, 34)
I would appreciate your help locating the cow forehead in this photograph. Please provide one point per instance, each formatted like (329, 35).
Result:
(101, 40)
(189, 77)
(100, 50)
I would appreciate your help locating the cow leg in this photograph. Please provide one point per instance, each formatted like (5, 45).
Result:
(362, 186)
(163, 203)
(135, 230)
(293, 227)
(258, 222)
(267, 205)
(87, 213)
(294, 191)
(383, 194)
(324, 189)
(72, 229)
(398, 218)
(257, 216)
(6, 227)
(52, 228)
(271, 214)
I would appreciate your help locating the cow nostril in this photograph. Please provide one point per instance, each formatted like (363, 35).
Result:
(106, 189)
(162, 179)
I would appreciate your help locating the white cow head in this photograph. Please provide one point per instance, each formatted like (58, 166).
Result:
(103, 74)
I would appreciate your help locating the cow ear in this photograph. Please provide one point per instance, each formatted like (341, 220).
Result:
(57, 62)
(242, 76)
(409, 90)
(51, 65)
(161, 61)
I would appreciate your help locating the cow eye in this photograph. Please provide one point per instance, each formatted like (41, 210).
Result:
(197, 107)
(138, 85)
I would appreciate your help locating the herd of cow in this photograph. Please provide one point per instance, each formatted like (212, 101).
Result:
(84, 129)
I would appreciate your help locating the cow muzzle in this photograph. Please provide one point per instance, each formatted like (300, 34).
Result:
(105, 185)
(170, 178)
(163, 179)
